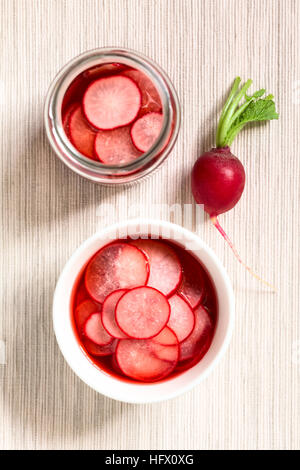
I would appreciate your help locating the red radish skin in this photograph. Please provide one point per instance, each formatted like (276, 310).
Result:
(115, 147)
(218, 181)
(108, 314)
(111, 102)
(81, 134)
(116, 266)
(142, 313)
(145, 131)
(218, 177)
(94, 330)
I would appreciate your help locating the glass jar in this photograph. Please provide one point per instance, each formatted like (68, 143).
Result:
(93, 170)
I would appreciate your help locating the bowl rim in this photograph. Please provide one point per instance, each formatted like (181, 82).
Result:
(104, 383)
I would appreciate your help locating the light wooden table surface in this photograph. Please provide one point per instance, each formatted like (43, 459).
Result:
(252, 399)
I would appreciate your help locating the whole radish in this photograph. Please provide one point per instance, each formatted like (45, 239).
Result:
(218, 177)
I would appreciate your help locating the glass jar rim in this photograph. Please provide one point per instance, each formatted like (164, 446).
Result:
(53, 119)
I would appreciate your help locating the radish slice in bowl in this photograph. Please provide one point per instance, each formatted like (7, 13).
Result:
(99, 351)
(108, 314)
(140, 360)
(84, 310)
(201, 333)
(192, 286)
(116, 266)
(165, 345)
(95, 331)
(165, 268)
(142, 312)
(182, 318)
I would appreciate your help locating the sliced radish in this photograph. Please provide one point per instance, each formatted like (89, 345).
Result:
(165, 345)
(82, 294)
(145, 131)
(192, 287)
(108, 314)
(137, 359)
(150, 96)
(115, 147)
(165, 268)
(116, 266)
(103, 70)
(95, 331)
(182, 318)
(97, 350)
(142, 312)
(111, 102)
(81, 134)
(84, 310)
(66, 118)
(200, 337)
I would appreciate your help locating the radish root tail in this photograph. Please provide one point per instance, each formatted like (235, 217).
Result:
(227, 239)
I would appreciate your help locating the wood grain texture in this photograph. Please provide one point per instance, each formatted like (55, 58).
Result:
(251, 401)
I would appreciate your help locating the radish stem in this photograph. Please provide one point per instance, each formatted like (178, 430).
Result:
(227, 121)
(234, 89)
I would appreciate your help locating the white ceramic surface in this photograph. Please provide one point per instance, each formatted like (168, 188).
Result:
(110, 386)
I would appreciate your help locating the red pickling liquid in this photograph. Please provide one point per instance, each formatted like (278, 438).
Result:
(193, 271)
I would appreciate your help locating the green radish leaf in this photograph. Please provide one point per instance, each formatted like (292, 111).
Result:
(260, 110)
(257, 94)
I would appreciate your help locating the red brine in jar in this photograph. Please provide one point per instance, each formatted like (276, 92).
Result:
(144, 310)
(112, 113)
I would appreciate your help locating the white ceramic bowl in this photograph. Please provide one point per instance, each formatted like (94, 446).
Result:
(108, 385)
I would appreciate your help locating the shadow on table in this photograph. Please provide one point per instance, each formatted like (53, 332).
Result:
(49, 191)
